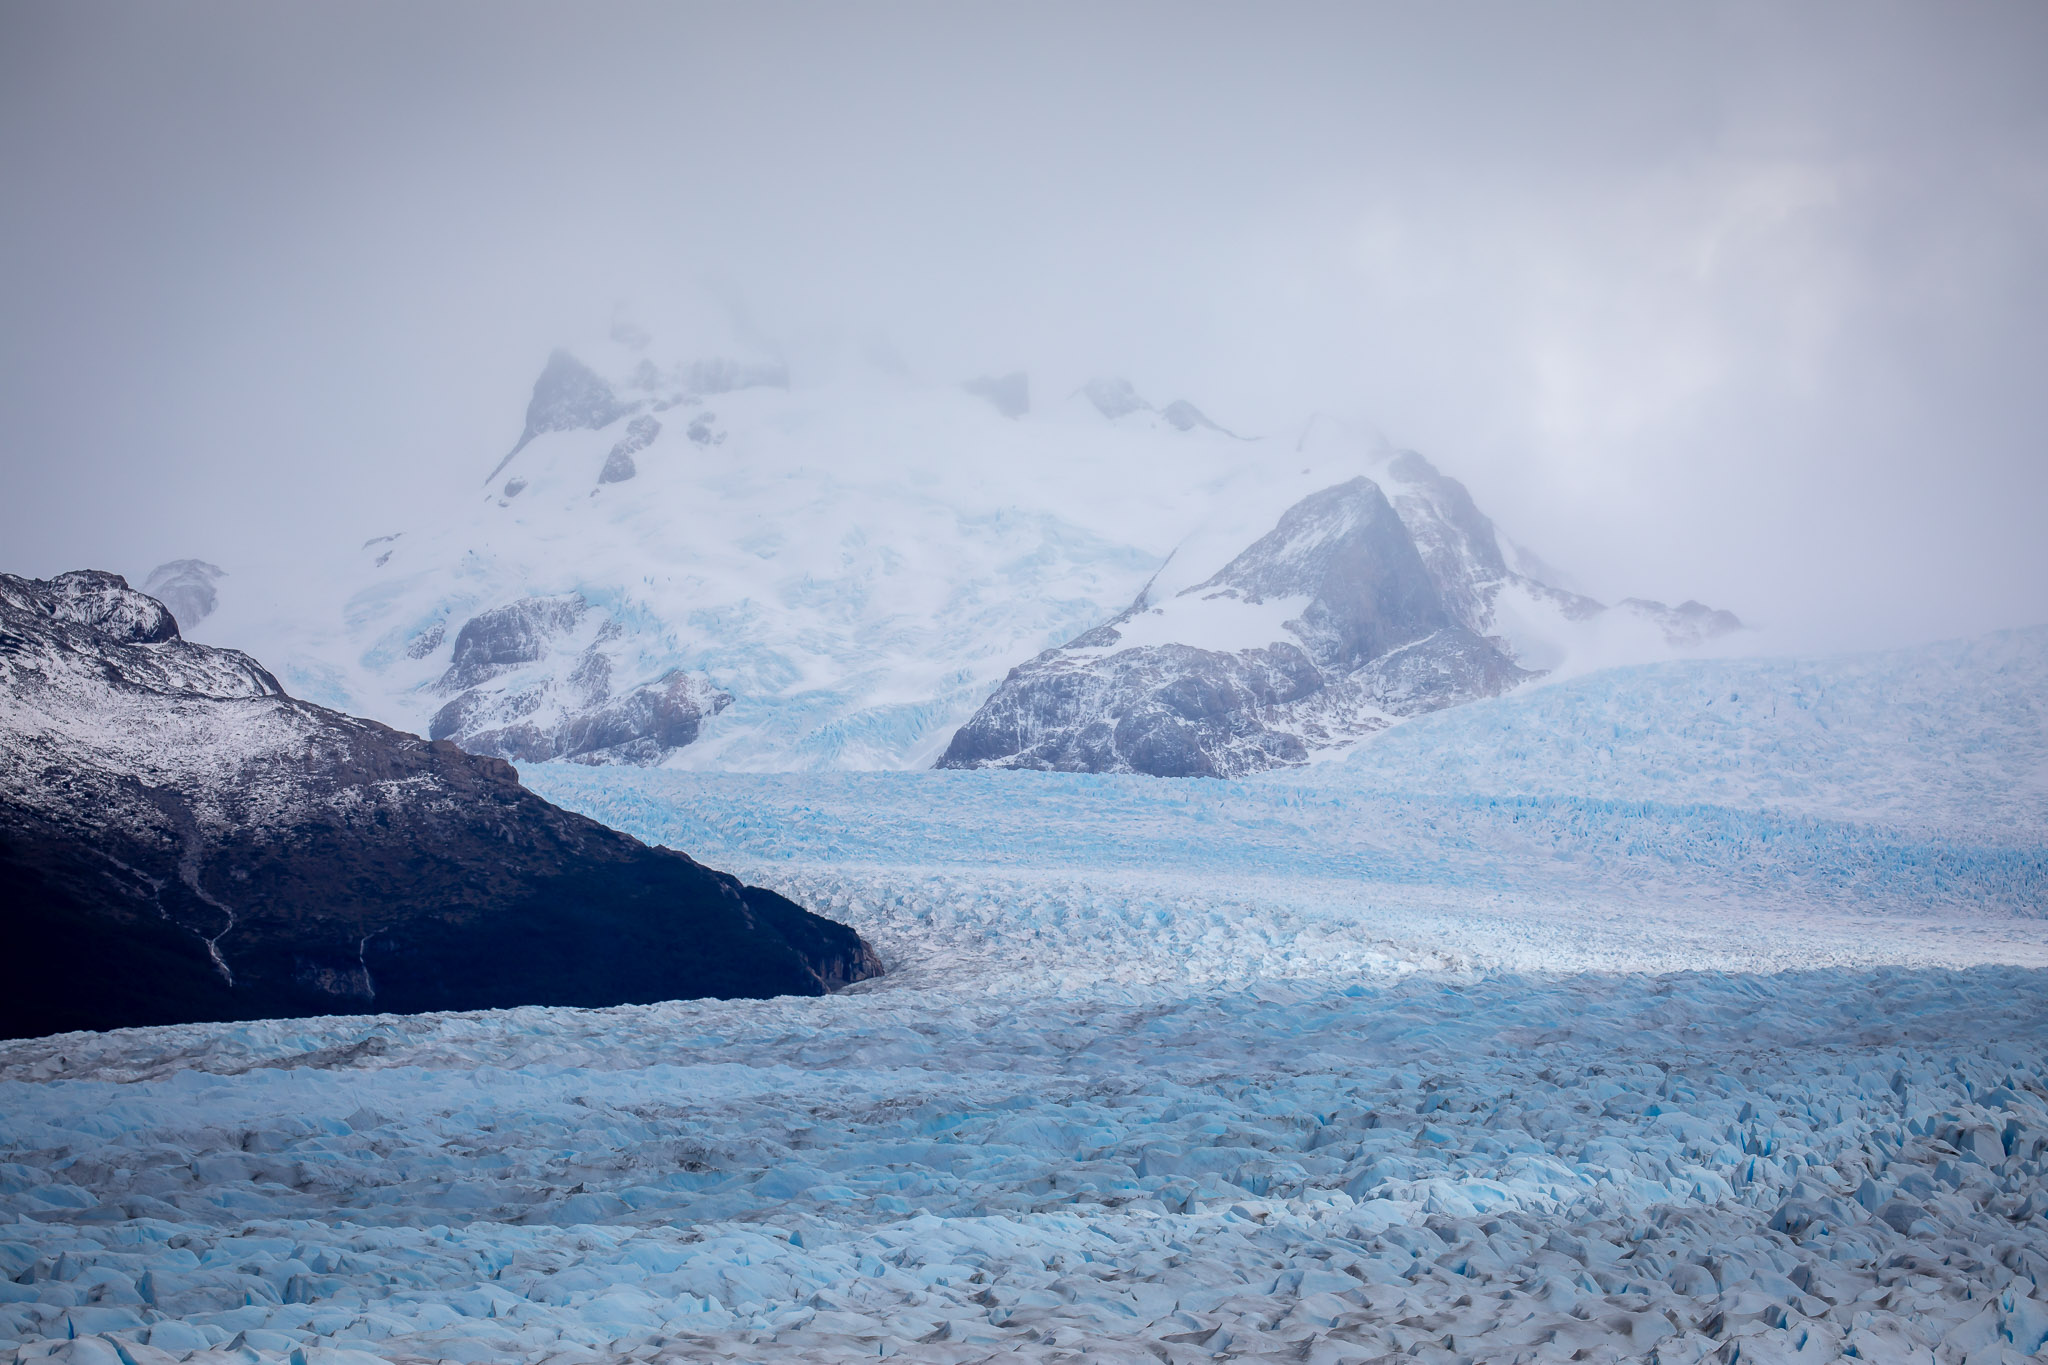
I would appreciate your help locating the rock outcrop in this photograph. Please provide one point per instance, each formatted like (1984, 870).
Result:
(1115, 397)
(570, 708)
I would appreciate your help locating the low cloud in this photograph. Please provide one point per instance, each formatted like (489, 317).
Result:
(1741, 304)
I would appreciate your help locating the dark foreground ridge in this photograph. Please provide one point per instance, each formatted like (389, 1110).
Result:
(180, 842)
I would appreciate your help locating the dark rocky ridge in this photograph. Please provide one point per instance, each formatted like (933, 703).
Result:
(181, 841)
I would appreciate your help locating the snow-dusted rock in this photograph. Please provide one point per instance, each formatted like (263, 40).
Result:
(1370, 601)
(181, 840)
(571, 711)
(1685, 625)
(1319, 632)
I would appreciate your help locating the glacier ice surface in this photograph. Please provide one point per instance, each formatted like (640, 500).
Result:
(1629, 1018)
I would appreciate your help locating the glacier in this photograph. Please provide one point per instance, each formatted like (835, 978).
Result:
(1679, 1012)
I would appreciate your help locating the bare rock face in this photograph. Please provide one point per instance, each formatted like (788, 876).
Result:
(181, 841)
(1348, 630)
(517, 633)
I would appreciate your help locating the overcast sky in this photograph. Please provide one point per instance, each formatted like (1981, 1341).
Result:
(1742, 303)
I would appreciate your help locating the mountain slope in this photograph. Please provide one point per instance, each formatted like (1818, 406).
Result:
(1312, 637)
(702, 564)
(203, 846)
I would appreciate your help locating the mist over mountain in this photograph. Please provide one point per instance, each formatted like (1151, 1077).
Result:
(691, 559)
(1738, 304)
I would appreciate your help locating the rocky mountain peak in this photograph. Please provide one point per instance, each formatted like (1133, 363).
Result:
(568, 396)
(104, 603)
(1468, 536)
(1321, 631)
(1350, 555)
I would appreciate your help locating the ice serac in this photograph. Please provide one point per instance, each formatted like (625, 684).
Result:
(180, 840)
(1320, 632)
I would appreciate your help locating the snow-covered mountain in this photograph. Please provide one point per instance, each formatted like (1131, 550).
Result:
(1316, 635)
(1349, 614)
(698, 563)
(216, 849)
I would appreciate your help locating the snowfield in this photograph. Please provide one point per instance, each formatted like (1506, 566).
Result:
(1685, 1012)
